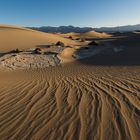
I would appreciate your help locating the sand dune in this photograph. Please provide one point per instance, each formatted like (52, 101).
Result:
(67, 55)
(82, 99)
(16, 37)
(91, 34)
(70, 102)
(96, 34)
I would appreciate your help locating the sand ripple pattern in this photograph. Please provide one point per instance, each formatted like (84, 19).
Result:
(71, 103)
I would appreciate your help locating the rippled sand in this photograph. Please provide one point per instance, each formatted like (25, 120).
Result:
(97, 98)
(73, 101)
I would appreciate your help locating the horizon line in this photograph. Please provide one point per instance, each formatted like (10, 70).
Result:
(70, 25)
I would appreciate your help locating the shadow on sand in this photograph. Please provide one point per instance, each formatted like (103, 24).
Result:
(121, 59)
(129, 56)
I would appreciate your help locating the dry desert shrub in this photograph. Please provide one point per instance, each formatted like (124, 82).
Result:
(70, 37)
(59, 43)
(82, 40)
(37, 51)
(15, 51)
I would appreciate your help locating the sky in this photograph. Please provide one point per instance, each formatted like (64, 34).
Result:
(82, 13)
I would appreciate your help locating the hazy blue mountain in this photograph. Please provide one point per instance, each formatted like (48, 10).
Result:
(67, 29)
(119, 28)
(62, 29)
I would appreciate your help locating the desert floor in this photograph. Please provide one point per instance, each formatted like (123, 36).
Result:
(96, 98)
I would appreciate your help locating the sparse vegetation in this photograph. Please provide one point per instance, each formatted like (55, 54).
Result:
(37, 51)
(59, 43)
(96, 43)
(82, 40)
(15, 51)
(48, 46)
(70, 37)
(77, 39)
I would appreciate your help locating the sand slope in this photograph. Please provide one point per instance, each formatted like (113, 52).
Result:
(67, 55)
(70, 102)
(91, 34)
(12, 37)
(79, 100)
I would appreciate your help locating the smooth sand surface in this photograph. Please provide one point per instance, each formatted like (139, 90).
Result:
(12, 37)
(91, 34)
(67, 55)
(77, 100)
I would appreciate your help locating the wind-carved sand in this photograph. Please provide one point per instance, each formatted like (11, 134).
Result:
(16, 37)
(29, 60)
(70, 101)
(91, 34)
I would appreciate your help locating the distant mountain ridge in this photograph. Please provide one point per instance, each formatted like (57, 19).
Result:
(127, 28)
(62, 29)
(68, 29)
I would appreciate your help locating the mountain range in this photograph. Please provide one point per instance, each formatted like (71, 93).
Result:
(127, 28)
(67, 29)
(62, 29)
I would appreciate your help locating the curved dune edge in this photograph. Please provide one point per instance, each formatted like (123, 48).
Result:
(12, 37)
(67, 55)
(91, 34)
(97, 34)
(71, 102)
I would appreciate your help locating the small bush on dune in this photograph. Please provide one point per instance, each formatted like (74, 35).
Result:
(96, 43)
(37, 51)
(15, 51)
(48, 46)
(59, 43)
(70, 37)
(82, 40)
(77, 39)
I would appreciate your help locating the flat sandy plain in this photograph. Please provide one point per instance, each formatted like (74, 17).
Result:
(96, 98)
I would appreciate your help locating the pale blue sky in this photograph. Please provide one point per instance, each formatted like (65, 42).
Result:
(93, 13)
